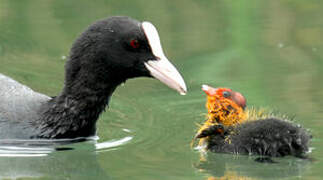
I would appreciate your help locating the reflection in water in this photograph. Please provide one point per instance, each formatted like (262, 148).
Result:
(227, 166)
(113, 143)
(45, 158)
(82, 165)
(12, 151)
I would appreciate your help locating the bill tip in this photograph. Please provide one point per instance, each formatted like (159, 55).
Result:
(205, 87)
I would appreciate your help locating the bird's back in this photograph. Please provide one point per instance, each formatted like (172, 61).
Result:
(19, 105)
(269, 137)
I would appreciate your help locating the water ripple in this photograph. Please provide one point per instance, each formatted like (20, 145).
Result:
(112, 143)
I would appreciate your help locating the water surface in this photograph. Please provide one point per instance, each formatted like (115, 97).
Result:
(271, 51)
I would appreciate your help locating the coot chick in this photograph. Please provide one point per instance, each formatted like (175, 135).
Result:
(106, 54)
(231, 128)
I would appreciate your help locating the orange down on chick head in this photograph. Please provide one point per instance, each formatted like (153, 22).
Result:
(225, 107)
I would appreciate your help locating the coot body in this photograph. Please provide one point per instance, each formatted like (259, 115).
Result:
(19, 105)
(266, 137)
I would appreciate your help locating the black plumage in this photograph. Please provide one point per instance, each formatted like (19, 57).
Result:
(267, 137)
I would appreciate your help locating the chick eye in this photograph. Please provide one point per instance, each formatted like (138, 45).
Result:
(226, 94)
(134, 44)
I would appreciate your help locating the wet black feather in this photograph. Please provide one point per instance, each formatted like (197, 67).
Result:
(267, 137)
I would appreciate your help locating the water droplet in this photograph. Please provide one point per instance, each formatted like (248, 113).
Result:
(126, 130)
(111, 30)
(280, 45)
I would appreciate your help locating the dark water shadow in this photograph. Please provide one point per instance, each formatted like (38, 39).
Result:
(244, 167)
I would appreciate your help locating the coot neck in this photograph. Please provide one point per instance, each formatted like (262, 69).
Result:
(86, 93)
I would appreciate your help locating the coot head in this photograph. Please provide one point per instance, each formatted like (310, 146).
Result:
(118, 48)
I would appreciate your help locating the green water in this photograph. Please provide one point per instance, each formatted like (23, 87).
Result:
(271, 51)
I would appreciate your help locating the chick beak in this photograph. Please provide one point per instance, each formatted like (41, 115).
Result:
(210, 91)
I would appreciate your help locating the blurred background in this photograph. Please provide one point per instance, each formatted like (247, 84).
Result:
(270, 51)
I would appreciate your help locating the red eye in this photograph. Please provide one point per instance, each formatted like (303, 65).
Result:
(134, 43)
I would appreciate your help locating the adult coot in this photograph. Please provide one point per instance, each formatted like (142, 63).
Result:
(231, 128)
(106, 54)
